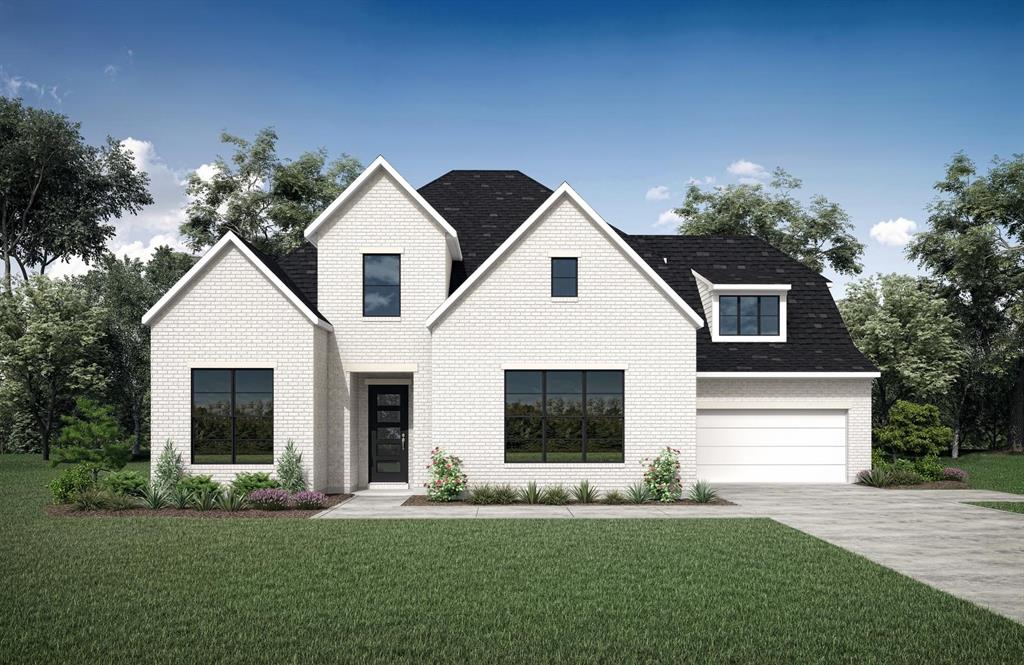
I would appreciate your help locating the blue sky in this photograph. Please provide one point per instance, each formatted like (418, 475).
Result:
(865, 102)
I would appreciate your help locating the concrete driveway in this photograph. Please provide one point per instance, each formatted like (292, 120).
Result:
(971, 552)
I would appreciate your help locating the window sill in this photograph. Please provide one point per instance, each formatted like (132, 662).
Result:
(746, 339)
(396, 319)
(565, 299)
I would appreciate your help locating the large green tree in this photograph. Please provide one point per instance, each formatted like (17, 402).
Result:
(264, 199)
(974, 247)
(905, 327)
(50, 337)
(58, 193)
(817, 233)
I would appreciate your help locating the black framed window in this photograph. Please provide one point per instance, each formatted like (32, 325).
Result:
(561, 416)
(564, 282)
(232, 416)
(748, 315)
(382, 285)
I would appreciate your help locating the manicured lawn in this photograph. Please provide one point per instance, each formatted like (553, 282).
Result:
(1003, 472)
(173, 590)
(1008, 506)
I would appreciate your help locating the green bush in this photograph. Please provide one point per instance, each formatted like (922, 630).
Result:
(482, 495)
(232, 501)
(903, 472)
(197, 484)
(92, 436)
(205, 499)
(72, 481)
(661, 476)
(638, 493)
(101, 499)
(555, 495)
(250, 482)
(289, 469)
(124, 483)
(614, 497)
(169, 468)
(447, 481)
(180, 497)
(879, 459)
(584, 492)
(153, 497)
(929, 467)
(531, 493)
(703, 492)
(915, 430)
(876, 477)
(505, 494)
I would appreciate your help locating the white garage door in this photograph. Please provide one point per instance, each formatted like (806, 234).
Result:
(771, 446)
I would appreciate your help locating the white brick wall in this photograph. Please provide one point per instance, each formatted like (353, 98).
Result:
(853, 395)
(234, 317)
(381, 216)
(510, 317)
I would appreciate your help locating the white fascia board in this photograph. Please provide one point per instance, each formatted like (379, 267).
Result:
(451, 235)
(564, 190)
(731, 288)
(788, 375)
(551, 365)
(232, 240)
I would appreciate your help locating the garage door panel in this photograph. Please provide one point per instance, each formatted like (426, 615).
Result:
(748, 473)
(784, 455)
(770, 419)
(812, 436)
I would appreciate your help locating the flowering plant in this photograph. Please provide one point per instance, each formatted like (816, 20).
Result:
(953, 473)
(661, 475)
(269, 499)
(307, 500)
(446, 478)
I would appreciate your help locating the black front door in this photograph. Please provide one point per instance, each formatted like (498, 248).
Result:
(389, 432)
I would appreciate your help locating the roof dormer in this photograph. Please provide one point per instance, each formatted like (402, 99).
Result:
(744, 312)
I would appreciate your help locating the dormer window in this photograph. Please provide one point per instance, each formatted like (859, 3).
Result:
(564, 273)
(748, 315)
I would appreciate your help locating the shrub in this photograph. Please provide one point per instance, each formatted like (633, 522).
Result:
(66, 487)
(928, 467)
(101, 499)
(180, 497)
(584, 492)
(505, 494)
(915, 430)
(125, 483)
(555, 495)
(877, 477)
(703, 492)
(447, 481)
(531, 493)
(169, 468)
(614, 497)
(307, 500)
(903, 472)
(879, 458)
(661, 476)
(153, 497)
(244, 483)
(638, 493)
(953, 473)
(289, 469)
(197, 484)
(92, 436)
(269, 499)
(482, 495)
(232, 501)
(205, 499)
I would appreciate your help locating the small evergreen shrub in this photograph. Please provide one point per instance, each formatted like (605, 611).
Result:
(244, 483)
(197, 484)
(703, 492)
(614, 497)
(953, 473)
(447, 481)
(584, 492)
(232, 501)
(205, 499)
(661, 476)
(169, 468)
(289, 469)
(153, 497)
(915, 430)
(531, 493)
(638, 493)
(555, 495)
(101, 499)
(928, 467)
(504, 494)
(124, 483)
(180, 497)
(903, 472)
(482, 495)
(72, 481)
(877, 477)
(308, 500)
(269, 499)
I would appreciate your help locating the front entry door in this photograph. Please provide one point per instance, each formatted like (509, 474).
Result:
(389, 434)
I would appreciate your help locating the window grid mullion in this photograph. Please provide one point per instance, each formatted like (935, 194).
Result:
(584, 424)
(543, 416)
(234, 421)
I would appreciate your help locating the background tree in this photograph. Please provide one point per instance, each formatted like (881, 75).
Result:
(974, 249)
(904, 326)
(265, 200)
(817, 234)
(92, 437)
(166, 267)
(57, 193)
(50, 337)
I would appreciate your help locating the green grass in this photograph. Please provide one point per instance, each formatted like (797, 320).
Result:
(1008, 506)
(1003, 472)
(173, 590)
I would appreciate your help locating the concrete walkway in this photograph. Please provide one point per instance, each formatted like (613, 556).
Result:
(932, 536)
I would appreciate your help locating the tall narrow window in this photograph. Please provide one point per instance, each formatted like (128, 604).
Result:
(564, 273)
(748, 315)
(382, 285)
(232, 416)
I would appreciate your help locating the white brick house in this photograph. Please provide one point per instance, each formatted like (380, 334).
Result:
(511, 325)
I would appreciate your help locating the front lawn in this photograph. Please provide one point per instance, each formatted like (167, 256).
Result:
(1003, 472)
(1008, 506)
(150, 589)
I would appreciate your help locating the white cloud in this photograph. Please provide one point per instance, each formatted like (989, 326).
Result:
(706, 180)
(657, 193)
(668, 217)
(207, 171)
(137, 249)
(748, 172)
(167, 187)
(110, 71)
(894, 232)
(17, 86)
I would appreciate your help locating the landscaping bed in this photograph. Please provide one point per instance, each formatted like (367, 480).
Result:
(932, 485)
(293, 513)
(424, 500)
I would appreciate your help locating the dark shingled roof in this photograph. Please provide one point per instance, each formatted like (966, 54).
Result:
(301, 279)
(486, 207)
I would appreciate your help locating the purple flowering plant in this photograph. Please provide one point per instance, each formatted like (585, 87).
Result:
(309, 500)
(269, 499)
(953, 473)
(447, 481)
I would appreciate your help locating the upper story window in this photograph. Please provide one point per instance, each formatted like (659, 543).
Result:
(748, 315)
(382, 285)
(232, 416)
(564, 272)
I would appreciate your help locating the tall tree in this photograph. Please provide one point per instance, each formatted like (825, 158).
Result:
(166, 267)
(904, 326)
(262, 198)
(50, 337)
(818, 234)
(974, 247)
(57, 193)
